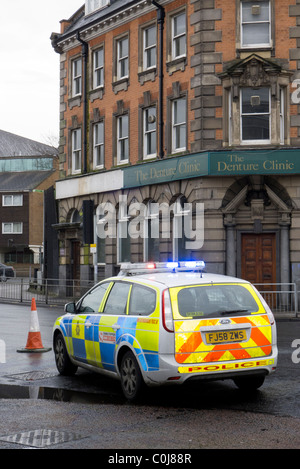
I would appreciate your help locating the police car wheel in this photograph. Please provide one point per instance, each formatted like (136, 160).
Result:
(249, 383)
(131, 377)
(62, 360)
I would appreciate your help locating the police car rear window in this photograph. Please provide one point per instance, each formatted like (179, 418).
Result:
(215, 300)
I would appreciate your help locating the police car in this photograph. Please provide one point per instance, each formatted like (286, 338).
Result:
(157, 324)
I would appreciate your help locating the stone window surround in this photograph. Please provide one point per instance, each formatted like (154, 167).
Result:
(175, 64)
(96, 93)
(146, 74)
(120, 84)
(177, 93)
(97, 119)
(73, 100)
(74, 126)
(121, 111)
(239, 46)
(148, 102)
(232, 84)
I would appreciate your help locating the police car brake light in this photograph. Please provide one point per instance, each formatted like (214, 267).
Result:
(167, 316)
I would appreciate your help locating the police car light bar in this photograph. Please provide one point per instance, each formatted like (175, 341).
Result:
(161, 266)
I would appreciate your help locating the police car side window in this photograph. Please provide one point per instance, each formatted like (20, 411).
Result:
(117, 299)
(92, 301)
(142, 301)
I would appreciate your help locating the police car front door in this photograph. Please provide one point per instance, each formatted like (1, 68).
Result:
(84, 324)
(110, 324)
(82, 338)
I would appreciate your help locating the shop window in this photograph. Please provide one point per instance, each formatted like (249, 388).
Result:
(151, 232)
(179, 238)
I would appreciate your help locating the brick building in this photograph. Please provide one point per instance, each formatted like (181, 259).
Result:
(27, 170)
(181, 102)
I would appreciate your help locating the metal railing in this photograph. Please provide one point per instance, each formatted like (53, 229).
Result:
(281, 297)
(48, 291)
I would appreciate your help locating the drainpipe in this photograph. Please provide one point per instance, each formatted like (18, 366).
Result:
(160, 21)
(85, 48)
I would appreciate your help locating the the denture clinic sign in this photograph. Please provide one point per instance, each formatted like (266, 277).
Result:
(169, 169)
(255, 162)
(219, 163)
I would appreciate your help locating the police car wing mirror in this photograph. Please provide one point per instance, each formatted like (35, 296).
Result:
(70, 308)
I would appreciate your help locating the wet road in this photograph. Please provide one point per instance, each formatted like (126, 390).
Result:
(214, 415)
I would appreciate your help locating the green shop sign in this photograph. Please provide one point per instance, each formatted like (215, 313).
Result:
(170, 169)
(219, 163)
(254, 162)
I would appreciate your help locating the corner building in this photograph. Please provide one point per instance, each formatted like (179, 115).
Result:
(171, 103)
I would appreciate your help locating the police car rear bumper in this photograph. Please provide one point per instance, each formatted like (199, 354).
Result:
(172, 373)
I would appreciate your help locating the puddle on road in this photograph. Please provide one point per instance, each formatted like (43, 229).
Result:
(8, 391)
(91, 389)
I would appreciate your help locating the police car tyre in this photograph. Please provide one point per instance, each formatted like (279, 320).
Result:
(249, 383)
(62, 360)
(131, 377)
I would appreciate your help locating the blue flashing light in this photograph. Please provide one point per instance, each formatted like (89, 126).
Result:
(194, 264)
(172, 265)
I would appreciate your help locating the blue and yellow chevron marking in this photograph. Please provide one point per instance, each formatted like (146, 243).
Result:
(96, 345)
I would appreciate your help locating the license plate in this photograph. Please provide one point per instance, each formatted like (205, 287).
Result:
(225, 336)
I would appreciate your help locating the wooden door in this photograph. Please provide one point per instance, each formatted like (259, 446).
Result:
(259, 259)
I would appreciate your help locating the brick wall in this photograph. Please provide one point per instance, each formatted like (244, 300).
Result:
(132, 98)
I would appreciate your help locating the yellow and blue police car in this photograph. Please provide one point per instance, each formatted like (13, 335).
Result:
(166, 323)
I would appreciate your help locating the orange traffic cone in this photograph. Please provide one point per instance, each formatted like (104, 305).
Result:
(34, 340)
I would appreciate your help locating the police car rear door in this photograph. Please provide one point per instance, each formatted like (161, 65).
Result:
(110, 325)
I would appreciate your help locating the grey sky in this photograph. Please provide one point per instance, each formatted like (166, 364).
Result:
(29, 78)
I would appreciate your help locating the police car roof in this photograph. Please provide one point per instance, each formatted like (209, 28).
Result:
(174, 279)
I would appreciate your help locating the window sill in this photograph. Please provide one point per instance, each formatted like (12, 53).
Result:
(255, 143)
(251, 146)
(73, 102)
(120, 85)
(176, 65)
(122, 163)
(147, 75)
(149, 157)
(246, 51)
(97, 93)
